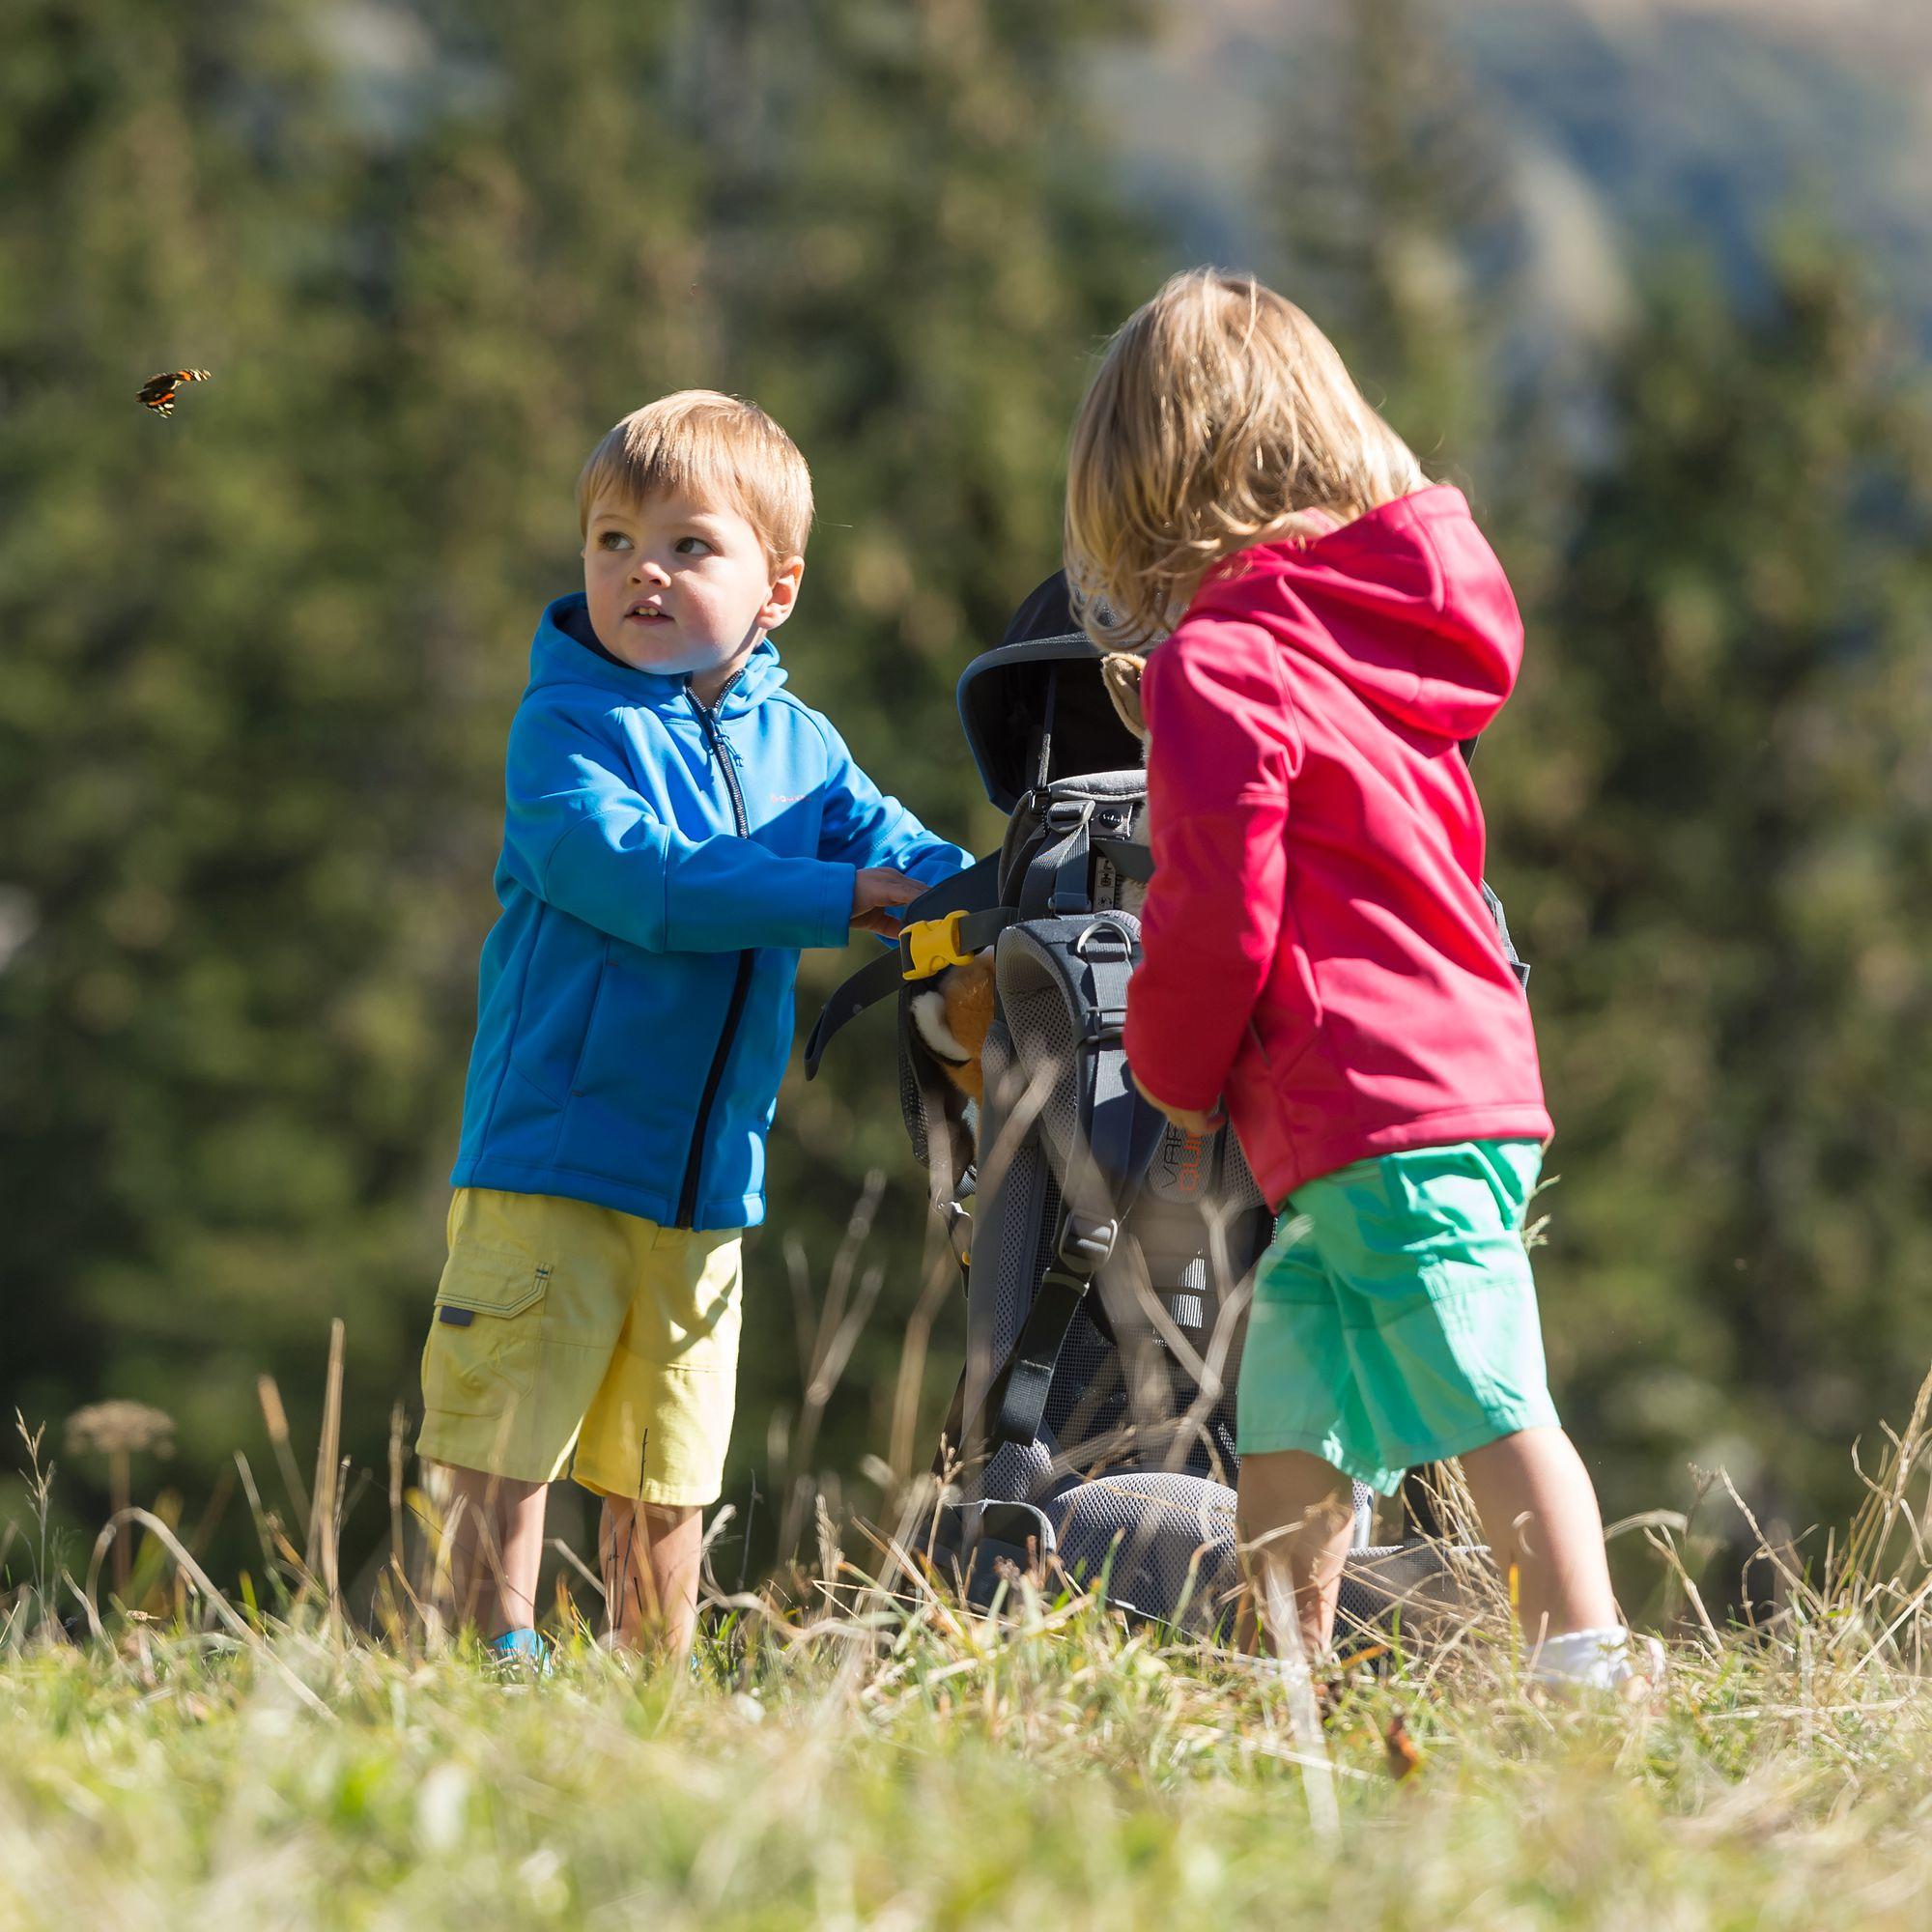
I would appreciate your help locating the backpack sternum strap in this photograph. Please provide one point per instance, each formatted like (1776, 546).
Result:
(1056, 880)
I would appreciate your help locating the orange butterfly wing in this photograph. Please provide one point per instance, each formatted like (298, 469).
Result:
(158, 393)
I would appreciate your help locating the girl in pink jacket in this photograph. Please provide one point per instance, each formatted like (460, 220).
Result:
(1318, 958)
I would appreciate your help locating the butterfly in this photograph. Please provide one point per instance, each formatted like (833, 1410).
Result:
(158, 393)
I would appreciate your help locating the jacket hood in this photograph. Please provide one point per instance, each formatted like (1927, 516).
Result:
(1412, 607)
(559, 654)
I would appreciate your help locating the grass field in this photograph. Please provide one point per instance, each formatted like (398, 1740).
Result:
(852, 1756)
(928, 1775)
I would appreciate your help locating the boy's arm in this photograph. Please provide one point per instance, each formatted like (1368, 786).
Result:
(862, 826)
(583, 838)
(1222, 750)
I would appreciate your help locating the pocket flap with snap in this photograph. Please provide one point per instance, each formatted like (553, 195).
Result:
(492, 1281)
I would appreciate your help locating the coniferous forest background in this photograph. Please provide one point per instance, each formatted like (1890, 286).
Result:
(256, 661)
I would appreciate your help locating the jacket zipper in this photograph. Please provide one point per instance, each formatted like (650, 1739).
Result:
(714, 738)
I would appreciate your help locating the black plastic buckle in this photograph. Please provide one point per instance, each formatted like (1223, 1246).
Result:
(1084, 1247)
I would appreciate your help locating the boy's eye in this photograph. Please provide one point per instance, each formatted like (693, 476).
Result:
(691, 547)
(613, 540)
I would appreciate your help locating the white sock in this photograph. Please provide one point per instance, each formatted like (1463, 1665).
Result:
(1591, 1660)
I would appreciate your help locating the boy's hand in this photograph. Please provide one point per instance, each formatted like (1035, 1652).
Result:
(1184, 1118)
(876, 889)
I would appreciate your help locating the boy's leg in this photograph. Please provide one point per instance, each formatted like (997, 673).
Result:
(527, 1313)
(1296, 1518)
(649, 1554)
(1539, 1511)
(654, 1441)
(496, 1550)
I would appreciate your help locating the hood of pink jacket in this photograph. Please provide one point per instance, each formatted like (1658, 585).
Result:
(1411, 607)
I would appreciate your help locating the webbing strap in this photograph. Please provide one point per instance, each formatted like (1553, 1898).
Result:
(1017, 1396)
(974, 892)
(952, 1430)
(1517, 965)
(1118, 1132)
(1056, 879)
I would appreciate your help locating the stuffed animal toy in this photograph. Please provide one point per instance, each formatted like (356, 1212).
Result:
(1120, 672)
(953, 1014)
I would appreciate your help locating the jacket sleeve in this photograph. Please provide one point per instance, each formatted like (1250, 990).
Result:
(579, 835)
(861, 826)
(1223, 748)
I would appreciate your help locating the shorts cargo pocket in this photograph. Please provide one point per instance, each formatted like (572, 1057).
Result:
(486, 1333)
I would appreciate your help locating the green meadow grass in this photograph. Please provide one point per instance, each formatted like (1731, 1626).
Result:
(913, 1768)
(849, 1754)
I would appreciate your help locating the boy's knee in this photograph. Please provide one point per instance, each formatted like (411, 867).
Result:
(656, 1520)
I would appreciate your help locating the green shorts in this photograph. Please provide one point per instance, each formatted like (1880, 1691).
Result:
(1394, 1319)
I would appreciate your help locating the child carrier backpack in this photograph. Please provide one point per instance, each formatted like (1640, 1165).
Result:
(1108, 1254)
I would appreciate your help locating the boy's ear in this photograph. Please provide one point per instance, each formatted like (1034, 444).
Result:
(780, 602)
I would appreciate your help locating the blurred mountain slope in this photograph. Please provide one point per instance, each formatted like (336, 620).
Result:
(1627, 122)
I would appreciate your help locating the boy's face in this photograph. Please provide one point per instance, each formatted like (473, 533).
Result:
(683, 586)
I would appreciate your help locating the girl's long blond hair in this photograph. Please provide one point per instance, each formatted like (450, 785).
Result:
(1219, 413)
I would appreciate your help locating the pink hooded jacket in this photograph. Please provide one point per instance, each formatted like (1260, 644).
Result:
(1316, 953)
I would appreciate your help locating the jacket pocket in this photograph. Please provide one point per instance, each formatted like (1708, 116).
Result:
(604, 972)
(562, 991)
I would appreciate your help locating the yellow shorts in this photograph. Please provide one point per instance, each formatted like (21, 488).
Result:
(561, 1326)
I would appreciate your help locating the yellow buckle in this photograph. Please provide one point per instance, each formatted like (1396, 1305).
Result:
(932, 944)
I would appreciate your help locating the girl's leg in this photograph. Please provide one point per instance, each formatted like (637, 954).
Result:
(1295, 1517)
(496, 1550)
(650, 1560)
(1539, 1511)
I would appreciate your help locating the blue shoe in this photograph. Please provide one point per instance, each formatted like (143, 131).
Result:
(519, 1653)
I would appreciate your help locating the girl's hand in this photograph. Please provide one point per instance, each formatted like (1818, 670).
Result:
(1186, 1118)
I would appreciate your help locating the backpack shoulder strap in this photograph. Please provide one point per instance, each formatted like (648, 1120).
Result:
(1102, 1160)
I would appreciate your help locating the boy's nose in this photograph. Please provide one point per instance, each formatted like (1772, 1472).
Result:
(648, 570)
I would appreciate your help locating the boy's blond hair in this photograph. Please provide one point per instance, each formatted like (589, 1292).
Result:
(1219, 413)
(700, 442)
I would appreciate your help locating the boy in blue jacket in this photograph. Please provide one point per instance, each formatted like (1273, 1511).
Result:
(679, 826)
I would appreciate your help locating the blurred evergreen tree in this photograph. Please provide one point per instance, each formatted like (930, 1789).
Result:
(1397, 226)
(1724, 824)
(260, 658)
(1707, 803)
(262, 655)
(220, 805)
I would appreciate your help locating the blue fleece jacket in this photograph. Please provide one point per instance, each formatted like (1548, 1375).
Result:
(663, 864)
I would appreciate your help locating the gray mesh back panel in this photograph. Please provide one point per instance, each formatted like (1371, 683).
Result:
(1166, 1547)
(1018, 1472)
(1170, 1541)
(1043, 1039)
